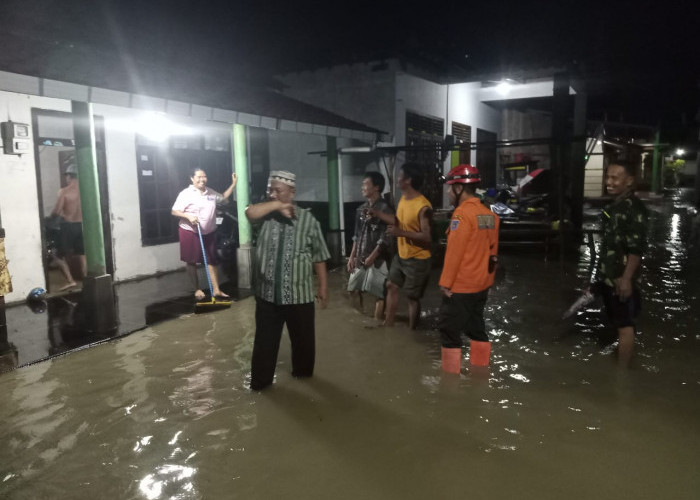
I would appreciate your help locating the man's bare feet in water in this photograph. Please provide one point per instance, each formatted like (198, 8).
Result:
(199, 295)
(378, 325)
(68, 286)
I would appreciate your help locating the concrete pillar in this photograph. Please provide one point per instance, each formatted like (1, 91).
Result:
(560, 105)
(578, 158)
(334, 234)
(655, 170)
(98, 293)
(244, 260)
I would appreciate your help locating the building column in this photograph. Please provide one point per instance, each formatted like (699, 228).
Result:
(560, 105)
(655, 170)
(334, 234)
(244, 252)
(578, 158)
(98, 292)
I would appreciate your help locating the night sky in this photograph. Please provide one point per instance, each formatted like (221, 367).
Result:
(641, 59)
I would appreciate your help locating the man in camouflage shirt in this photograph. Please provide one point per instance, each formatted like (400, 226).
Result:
(624, 242)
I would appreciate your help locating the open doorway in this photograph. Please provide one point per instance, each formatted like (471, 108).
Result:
(63, 254)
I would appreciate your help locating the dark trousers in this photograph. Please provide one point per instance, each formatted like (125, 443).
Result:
(269, 322)
(621, 313)
(462, 313)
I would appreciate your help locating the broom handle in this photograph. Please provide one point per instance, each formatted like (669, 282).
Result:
(204, 256)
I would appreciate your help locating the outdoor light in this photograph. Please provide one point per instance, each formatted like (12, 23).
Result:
(680, 152)
(157, 127)
(503, 88)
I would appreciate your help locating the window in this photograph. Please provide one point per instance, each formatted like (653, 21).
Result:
(425, 135)
(164, 169)
(463, 135)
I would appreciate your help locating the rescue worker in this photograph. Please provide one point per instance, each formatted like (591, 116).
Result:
(468, 271)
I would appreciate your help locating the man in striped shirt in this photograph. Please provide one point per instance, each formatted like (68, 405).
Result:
(289, 247)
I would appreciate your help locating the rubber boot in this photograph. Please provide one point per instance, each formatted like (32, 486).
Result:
(451, 359)
(479, 352)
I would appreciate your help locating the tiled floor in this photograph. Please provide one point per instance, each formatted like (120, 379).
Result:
(55, 326)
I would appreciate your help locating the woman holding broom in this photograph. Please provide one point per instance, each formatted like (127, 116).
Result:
(196, 206)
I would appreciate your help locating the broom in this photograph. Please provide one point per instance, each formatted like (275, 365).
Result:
(213, 304)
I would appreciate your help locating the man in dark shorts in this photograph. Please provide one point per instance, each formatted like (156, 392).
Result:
(624, 241)
(69, 209)
(410, 269)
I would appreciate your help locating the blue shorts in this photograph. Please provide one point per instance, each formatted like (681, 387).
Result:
(621, 313)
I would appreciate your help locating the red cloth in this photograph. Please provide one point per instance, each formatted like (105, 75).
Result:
(191, 248)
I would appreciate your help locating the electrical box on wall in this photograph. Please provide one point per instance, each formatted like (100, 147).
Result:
(15, 138)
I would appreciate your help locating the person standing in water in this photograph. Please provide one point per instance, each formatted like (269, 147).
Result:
(468, 272)
(368, 259)
(196, 206)
(70, 241)
(410, 269)
(289, 248)
(624, 242)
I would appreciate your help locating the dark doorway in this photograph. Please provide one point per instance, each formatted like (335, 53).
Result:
(53, 144)
(486, 157)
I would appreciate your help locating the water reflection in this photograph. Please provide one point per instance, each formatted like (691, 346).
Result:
(165, 413)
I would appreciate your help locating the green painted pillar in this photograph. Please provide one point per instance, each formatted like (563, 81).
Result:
(97, 299)
(333, 194)
(334, 235)
(244, 253)
(93, 236)
(240, 162)
(655, 164)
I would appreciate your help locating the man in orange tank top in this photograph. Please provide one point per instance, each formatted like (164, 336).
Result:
(468, 271)
(410, 269)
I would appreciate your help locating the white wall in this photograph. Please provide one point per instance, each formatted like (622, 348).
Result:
(534, 88)
(290, 151)
(531, 124)
(420, 96)
(131, 259)
(466, 107)
(19, 200)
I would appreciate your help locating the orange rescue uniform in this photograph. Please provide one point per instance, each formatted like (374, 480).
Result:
(472, 238)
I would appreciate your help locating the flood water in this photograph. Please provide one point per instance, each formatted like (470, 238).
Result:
(166, 413)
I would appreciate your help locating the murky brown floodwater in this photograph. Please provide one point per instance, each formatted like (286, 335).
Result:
(165, 412)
